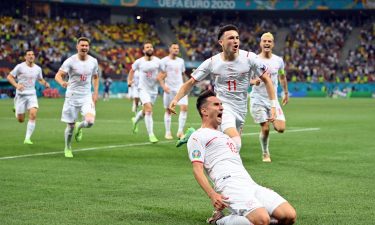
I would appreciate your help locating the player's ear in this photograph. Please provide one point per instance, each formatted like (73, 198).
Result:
(203, 111)
(220, 41)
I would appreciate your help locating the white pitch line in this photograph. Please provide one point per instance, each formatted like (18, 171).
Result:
(287, 131)
(131, 145)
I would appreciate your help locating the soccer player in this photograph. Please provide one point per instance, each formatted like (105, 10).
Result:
(149, 68)
(133, 91)
(107, 86)
(26, 74)
(231, 72)
(171, 79)
(82, 70)
(215, 154)
(259, 104)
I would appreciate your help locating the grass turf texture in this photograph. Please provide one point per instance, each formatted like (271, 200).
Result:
(118, 178)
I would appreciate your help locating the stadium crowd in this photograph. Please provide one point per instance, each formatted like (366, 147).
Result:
(311, 51)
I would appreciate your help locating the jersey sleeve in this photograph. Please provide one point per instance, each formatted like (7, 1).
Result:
(160, 68)
(40, 74)
(135, 65)
(163, 65)
(257, 67)
(183, 69)
(96, 68)
(203, 70)
(65, 67)
(196, 149)
(15, 71)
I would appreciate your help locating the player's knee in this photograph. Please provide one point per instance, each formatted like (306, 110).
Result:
(280, 130)
(262, 220)
(279, 126)
(21, 118)
(90, 122)
(290, 217)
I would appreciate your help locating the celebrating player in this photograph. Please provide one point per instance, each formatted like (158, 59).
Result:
(171, 79)
(82, 70)
(216, 153)
(260, 107)
(26, 74)
(231, 71)
(148, 67)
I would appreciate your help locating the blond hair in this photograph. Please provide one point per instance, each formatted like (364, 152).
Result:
(268, 34)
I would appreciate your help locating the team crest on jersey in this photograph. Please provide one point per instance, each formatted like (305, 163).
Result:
(196, 154)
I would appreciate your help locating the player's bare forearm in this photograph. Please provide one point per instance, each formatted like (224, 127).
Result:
(217, 199)
(59, 78)
(161, 79)
(12, 81)
(269, 87)
(185, 89)
(130, 77)
(284, 85)
(44, 82)
(95, 83)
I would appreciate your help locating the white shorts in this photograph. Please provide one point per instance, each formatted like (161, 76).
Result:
(232, 119)
(133, 92)
(261, 113)
(244, 196)
(22, 103)
(167, 98)
(147, 97)
(70, 111)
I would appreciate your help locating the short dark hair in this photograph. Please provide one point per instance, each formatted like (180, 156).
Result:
(146, 42)
(226, 28)
(28, 50)
(202, 99)
(173, 43)
(83, 39)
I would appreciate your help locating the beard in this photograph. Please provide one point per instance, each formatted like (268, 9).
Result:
(149, 54)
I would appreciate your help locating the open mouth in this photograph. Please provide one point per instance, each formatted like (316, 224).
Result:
(220, 115)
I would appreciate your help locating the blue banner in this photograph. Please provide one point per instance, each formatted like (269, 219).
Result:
(233, 4)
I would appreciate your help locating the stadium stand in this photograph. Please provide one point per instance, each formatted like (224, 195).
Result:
(312, 43)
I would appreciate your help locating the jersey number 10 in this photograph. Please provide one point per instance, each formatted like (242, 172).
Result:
(83, 77)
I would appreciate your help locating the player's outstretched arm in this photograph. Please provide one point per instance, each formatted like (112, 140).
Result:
(271, 94)
(60, 79)
(95, 84)
(130, 78)
(284, 85)
(184, 90)
(217, 199)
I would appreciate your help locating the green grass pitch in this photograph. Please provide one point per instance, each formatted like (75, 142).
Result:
(324, 165)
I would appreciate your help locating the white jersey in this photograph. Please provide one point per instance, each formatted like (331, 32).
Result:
(27, 76)
(232, 79)
(136, 79)
(174, 69)
(148, 72)
(217, 152)
(80, 75)
(275, 65)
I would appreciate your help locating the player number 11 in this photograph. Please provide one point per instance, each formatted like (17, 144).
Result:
(232, 85)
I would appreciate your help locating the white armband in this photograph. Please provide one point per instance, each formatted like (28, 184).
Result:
(273, 103)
